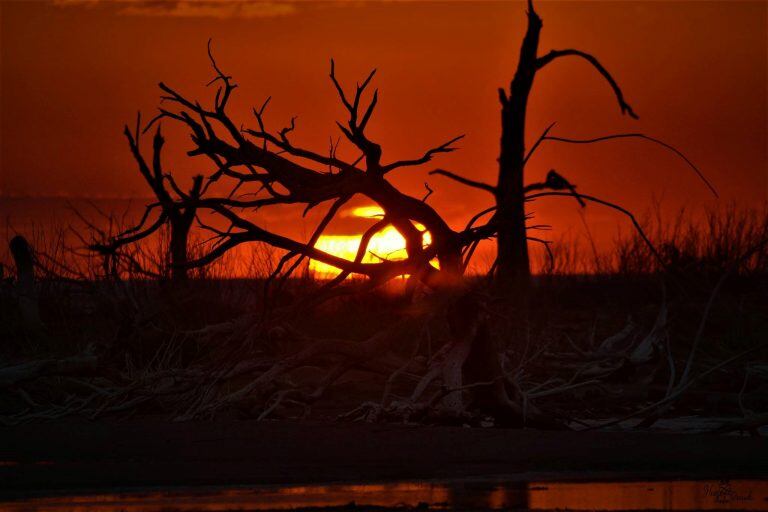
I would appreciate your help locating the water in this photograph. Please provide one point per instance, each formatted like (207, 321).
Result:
(462, 495)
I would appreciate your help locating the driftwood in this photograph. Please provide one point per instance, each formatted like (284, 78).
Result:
(26, 291)
(82, 365)
(471, 377)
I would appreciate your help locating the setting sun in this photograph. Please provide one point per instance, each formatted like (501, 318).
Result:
(366, 212)
(387, 244)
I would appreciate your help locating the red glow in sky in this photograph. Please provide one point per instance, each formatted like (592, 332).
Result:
(74, 71)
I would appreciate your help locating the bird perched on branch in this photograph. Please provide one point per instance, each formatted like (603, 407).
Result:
(555, 181)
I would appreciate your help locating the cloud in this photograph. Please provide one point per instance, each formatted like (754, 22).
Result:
(220, 9)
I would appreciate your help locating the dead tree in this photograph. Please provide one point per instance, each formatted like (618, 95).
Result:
(177, 213)
(285, 174)
(512, 248)
(508, 224)
(289, 175)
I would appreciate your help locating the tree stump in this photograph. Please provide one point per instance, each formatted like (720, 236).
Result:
(26, 291)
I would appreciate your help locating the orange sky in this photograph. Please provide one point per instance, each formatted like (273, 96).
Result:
(73, 71)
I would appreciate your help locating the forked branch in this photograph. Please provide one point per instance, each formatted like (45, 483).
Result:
(446, 147)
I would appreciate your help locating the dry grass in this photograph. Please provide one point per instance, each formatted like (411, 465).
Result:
(688, 244)
(141, 327)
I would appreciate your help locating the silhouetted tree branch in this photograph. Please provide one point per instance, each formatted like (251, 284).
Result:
(465, 181)
(511, 191)
(178, 212)
(555, 54)
(628, 136)
(244, 162)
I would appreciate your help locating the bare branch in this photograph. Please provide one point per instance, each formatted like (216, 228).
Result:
(221, 99)
(429, 192)
(332, 211)
(554, 54)
(122, 240)
(537, 143)
(365, 241)
(638, 136)
(446, 147)
(254, 233)
(464, 181)
(355, 130)
(339, 89)
(478, 215)
(616, 207)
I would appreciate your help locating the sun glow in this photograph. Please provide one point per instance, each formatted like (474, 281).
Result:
(367, 212)
(387, 244)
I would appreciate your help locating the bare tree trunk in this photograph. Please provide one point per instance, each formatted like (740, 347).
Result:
(513, 268)
(180, 228)
(181, 220)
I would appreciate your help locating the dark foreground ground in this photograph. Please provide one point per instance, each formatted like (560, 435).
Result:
(77, 456)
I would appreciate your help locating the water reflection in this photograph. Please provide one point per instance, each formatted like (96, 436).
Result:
(710, 495)
(477, 495)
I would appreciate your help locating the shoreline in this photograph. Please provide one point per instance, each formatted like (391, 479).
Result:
(76, 456)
